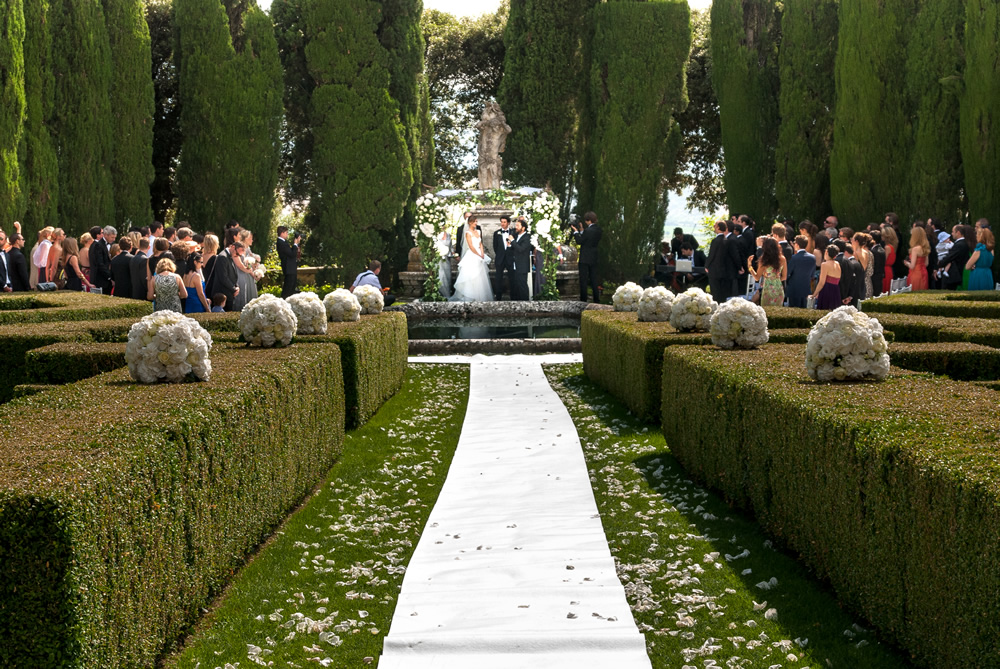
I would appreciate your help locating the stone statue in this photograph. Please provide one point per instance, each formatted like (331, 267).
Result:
(493, 131)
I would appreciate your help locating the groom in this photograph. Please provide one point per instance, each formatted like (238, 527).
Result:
(520, 251)
(502, 260)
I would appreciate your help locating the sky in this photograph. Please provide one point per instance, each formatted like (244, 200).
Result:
(476, 7)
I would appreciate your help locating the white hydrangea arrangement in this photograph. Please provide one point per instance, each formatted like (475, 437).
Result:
(168, 346)
(626, 298)
(341, 306)
(310, 313)
(370, 298)
(692, 311)
(655, 305)
(847, 345)
(739, 324)
(268, 321)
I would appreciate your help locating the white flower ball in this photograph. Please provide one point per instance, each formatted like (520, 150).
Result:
(168, 346)
(626, 298)
(655, 305)
(310, 313)
(692, 311)
(370, 298)
(268, 321)
(427, 229)
(847, 344)
(544, 227)
(341, 306)
(739, 324)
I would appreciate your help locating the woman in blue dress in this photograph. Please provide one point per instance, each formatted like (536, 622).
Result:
(195, 302)
(981, 261)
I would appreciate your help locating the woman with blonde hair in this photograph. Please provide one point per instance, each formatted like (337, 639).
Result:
(75, 278)
(86, 239)
(40, 256)
(245, 265)
(53, 264)
(891, 243)
(166, 288)
(209, 254)
(920, 248)
(981, 261)
(860, 242)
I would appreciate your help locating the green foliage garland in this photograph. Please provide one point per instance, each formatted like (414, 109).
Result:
(11, 106)
(980, 113)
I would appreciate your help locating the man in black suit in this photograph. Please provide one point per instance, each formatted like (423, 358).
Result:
(956, 257)
(460, 234)
(502, 260)
(520, 252)
(722, 263)
(4, 274)
(778, 232)
(852, 275)
(137, 270)
(679, 239)
(800, 271)
(121, 269)
(878, 255)
(588, 236)
(289, 256)
(17, 265)
(225, 274)
(100, 258)
(695, 278)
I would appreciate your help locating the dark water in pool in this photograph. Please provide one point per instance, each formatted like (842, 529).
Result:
(496, 328)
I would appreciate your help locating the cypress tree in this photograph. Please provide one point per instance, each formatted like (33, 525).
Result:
(806, 102)
(542, 75)
(745, 37)
(231, 88)
(980, 109)
(632, 138)
(82, 121)
(167, 115)
(39, 166)
(132, 107)
(296, 134)
(360, 161)
(11, 107)
(871, 134)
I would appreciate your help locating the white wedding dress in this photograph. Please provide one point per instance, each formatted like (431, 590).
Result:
(473, 283)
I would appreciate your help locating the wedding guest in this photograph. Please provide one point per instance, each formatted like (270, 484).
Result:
(289, 256)
(245, 265)
(932, 228)
(75, 280)
(100, 258)
(218, 303)
(121, 269)
(161, 250)
(772, 270)
(820, 242)
(969, 234)
(951, 266)
(86, 241)
(859, 247)
(137, 270)
(209, 255)
(134, 237)
(809, 230)
(747, 242)
(588, 236)
(226, 276)
(916, 261)
(981, 261)
(827, 291)
(184, 233)
(878, 258)
(195, 300)
(778, 234)
(17, 265)
(722, 264)
(155, 232)
(4, 272)
(170, 234)
(167, 288)
(800, 273)
(891, 243)
(5, 245)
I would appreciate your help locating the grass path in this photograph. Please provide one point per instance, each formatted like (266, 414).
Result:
(705, 584)
(323, 592)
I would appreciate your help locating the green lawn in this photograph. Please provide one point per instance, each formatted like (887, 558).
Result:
(704, 583)
(323, 591)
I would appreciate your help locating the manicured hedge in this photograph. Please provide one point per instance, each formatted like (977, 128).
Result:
(891, 491)
(67, 362)
(67, 306)
(974, 304)
(125, 511)
(960, 361)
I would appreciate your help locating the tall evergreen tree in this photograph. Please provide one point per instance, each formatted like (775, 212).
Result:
(296, 130)
(167, 109)
(980, 109)
(745, 38)
(806, 104)
(82, 122)
(11, 107)
(871, 134)
(632, 138)
(542, 76)
(360, 161)
(39, 166)
(231, 90)
(132, 106)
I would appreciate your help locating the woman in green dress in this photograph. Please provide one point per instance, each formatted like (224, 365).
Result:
(772, 270)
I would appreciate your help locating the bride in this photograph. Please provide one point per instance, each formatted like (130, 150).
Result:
(473, 283)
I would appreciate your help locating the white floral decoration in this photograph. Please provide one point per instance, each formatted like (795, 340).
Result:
(739, 324)
(626, 298)
(268, 321)
(168, 346)
(310, 313)
(847, 344)
(655, 305)
(370, 298)
(341, 306)
(692, 311)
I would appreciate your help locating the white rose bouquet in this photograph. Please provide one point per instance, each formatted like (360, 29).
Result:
(268, 321)
(739, 324)
(168, 346)
(541, 211)
(341, 306)
(626, 298)
(370, 298)
(847, 344)
(655, 305)
(692, 311)
(309, 312)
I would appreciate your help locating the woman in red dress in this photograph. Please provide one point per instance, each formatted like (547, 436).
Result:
(920, 248)
(891, 242)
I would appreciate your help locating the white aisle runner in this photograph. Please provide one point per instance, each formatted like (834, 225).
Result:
(513, 569)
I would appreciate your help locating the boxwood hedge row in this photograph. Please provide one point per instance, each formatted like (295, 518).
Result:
(960, 361)
(127, 510)
(67, 362)
(67, 306)
(891, 491)
(977, 304)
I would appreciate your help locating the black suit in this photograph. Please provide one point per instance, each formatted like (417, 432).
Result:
(289, 256)
(459, 239)
(878, 272)
(502, 263)
(225, 278)
(100, 266)
(852, 280)
(588, 239)
(3, 270)
(121, 274)
(520, 252)
(746, 244)
(957, 256)
(676, 244)
(17, 268)
(723, 266)
(137, 273)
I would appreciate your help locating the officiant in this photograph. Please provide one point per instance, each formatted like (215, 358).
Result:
(503, 262)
